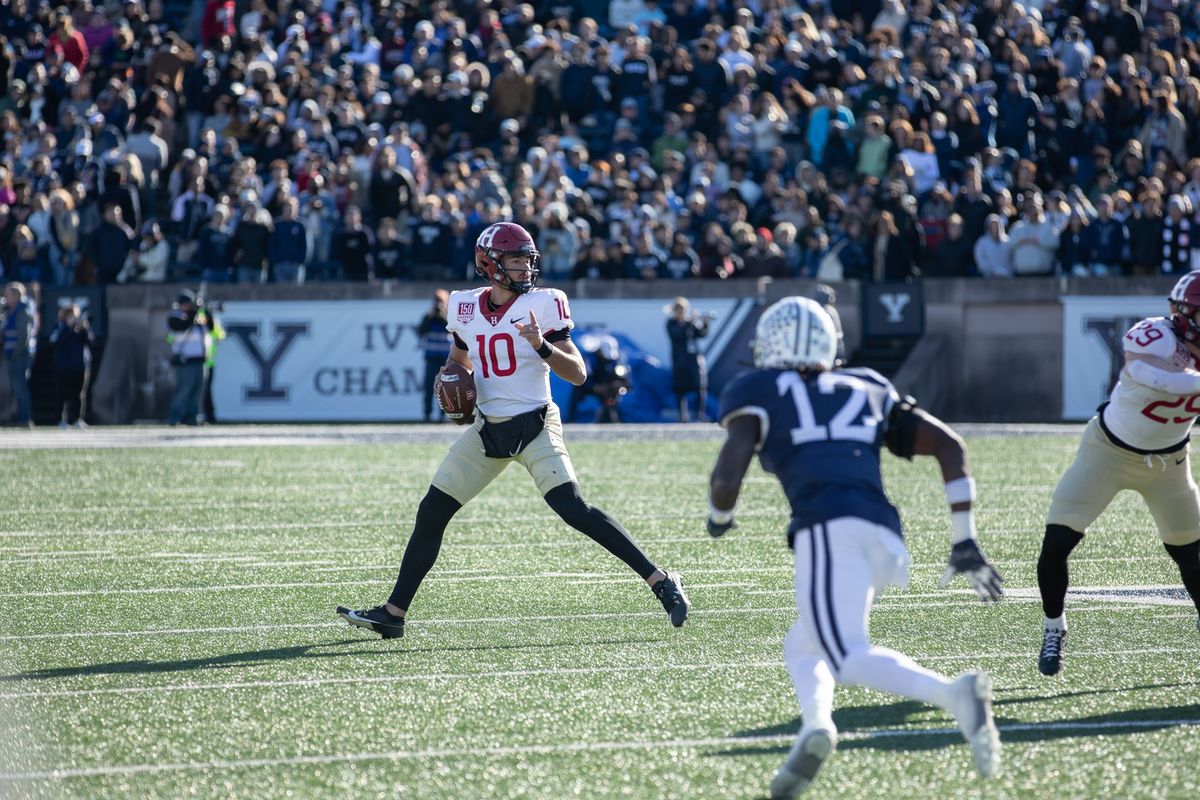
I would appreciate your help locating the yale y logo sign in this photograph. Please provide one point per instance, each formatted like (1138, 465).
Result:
(894, 305)
(249, 334)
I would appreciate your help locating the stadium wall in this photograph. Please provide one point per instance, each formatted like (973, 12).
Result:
(992, 351)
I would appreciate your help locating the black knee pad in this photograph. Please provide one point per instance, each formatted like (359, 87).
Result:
(567, 502)
(1187, 556)
(1059, 541)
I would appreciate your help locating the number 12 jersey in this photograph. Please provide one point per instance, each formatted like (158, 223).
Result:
(820, 434)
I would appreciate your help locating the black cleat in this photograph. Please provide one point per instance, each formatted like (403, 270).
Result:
(374, 619)
(1050, 661)
(669, 592)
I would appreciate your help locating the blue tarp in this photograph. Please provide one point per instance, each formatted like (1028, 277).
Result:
(649, 400)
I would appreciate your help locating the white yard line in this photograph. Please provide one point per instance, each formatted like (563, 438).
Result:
(523, 673)
(554, 749)
(966, 601)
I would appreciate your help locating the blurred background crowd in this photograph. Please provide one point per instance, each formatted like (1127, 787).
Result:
(301, 140)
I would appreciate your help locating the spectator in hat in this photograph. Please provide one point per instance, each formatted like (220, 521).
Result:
(820, 119)
(1034, 241)
(764, 258)
(993, 250)
(148, 263)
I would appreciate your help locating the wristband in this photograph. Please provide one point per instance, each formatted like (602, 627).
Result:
(545, 350)
(962, 525)
(718, 515)
(960, 490)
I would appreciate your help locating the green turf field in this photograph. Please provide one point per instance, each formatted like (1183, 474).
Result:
(168, 631)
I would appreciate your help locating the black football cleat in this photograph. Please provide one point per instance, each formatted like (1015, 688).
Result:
(669, 592)
(1050, 660)
(375, 619)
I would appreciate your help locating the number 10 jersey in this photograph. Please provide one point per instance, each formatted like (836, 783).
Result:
(510, 377)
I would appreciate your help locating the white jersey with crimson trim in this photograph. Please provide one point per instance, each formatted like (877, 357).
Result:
(1147, 418)
(510, 377)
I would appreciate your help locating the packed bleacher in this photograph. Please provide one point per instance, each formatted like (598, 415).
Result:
(279, 141)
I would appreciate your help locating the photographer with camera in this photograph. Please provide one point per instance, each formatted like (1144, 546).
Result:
(685, 329)
(73, 340)
(190, 334)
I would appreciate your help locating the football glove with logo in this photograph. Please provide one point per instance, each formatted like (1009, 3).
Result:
(966, 558)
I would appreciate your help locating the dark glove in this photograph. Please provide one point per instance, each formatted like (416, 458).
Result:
(967, 559)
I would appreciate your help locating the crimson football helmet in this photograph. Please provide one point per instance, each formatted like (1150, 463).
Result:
(499, 240)
(1185, 302)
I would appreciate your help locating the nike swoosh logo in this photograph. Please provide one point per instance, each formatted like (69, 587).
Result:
(518, 319)
(1180, 461)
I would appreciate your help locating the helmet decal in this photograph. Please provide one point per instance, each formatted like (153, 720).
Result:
(795, 333)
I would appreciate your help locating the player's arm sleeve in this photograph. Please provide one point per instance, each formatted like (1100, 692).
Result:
(1181, 382)
(738, 401)
(560, 335)
(555, 315)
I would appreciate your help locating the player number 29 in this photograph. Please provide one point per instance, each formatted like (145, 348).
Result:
(1144, 334)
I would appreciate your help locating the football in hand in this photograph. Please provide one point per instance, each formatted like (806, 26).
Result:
(456, 393)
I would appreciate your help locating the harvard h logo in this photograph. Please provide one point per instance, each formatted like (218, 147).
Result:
(286, 334)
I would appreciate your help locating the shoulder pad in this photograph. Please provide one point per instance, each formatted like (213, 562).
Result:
(867, 374)
(1154, 337)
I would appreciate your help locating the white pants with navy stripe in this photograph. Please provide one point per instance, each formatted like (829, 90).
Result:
(841, 566)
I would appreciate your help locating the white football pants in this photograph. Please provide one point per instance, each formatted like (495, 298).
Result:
(840, 566)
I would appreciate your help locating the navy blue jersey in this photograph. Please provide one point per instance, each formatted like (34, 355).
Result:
(820, 434)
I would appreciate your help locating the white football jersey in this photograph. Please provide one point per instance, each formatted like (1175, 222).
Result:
(1146, 418)
(510, 377)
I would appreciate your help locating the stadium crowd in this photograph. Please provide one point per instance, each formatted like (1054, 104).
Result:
(292, 140)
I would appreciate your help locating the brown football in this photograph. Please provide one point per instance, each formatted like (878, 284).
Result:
(456, 393)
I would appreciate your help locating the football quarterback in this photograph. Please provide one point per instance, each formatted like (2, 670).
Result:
(510, 334)
(1138, 440)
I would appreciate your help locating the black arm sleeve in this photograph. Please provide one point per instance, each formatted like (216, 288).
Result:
(459, 343)
(560, 335)
(902, 428)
